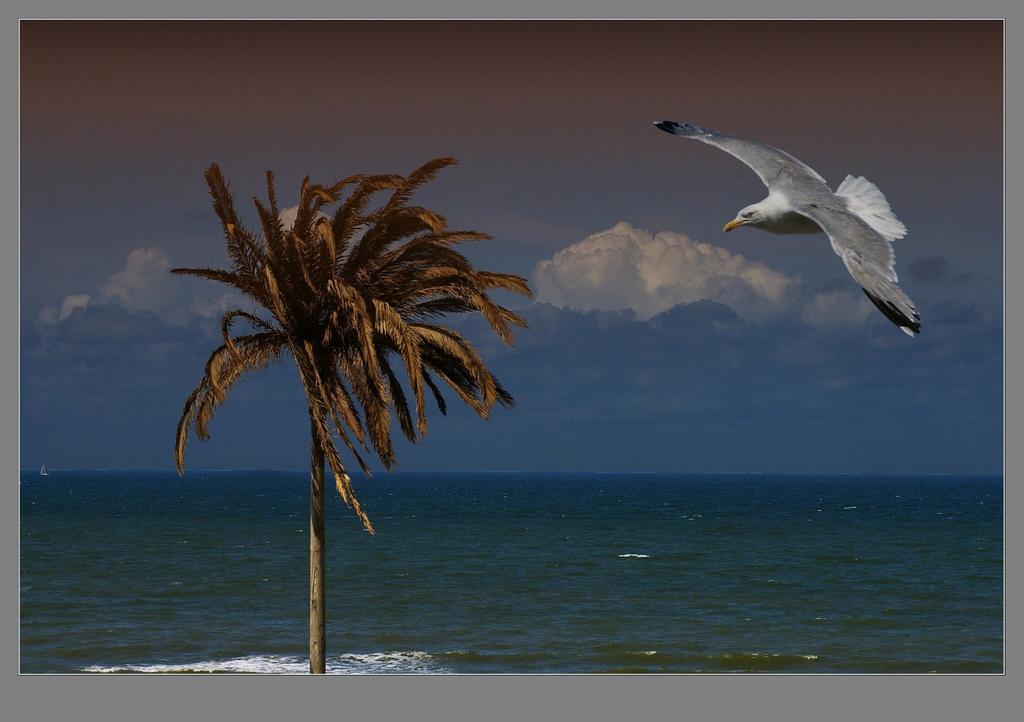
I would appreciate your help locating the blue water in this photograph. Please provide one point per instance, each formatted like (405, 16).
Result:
(514, 573)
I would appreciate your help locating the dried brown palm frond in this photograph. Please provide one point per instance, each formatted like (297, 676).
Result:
(350, 296)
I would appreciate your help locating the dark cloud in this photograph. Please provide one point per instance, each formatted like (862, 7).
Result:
(950, 313)
(104, 387)
(830, 285)
(696, 387)
(105, 324)
(929, 269)
(937, 269)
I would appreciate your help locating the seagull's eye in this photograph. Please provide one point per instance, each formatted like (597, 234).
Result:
(747, 214)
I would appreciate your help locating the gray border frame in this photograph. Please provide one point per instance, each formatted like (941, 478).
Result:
(853, 697)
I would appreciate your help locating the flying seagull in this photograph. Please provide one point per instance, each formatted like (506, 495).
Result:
(857, 217)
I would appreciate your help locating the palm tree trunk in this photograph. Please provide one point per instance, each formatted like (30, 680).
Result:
(317, 607)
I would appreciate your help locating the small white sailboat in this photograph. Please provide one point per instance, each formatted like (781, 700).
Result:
(43, 471)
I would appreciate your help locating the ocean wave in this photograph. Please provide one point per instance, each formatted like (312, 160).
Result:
(414, 662)
(491, 658)
(634, 556)
(761, 660)
(872, 622)
(648, 660)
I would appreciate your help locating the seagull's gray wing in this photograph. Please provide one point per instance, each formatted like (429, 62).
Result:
(776, 168)
(870, 260)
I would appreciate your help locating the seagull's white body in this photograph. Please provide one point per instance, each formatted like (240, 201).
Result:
(857, 217)
(780, 218)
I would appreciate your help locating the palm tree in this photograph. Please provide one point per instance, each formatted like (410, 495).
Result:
(349, 295)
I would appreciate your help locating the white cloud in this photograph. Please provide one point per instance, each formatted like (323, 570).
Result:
(70, 303)
(145, 283)
(50, 315)
(47, 316)
(288, 215)
(627, 267)
(141, 284)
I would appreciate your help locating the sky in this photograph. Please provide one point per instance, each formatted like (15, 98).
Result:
(656, 342)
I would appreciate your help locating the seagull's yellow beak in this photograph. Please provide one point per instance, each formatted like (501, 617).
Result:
(734, 223)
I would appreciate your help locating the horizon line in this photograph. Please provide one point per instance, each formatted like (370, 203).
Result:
(531, 471)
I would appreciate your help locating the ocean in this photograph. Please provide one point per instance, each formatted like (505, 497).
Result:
(142, 571)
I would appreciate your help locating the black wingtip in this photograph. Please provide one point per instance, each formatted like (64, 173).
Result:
(684, 129)
(909, 325)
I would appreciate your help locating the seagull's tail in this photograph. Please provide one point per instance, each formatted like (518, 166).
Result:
(866, 200)
(684, 129)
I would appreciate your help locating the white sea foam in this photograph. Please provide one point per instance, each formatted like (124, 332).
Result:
(767, 655)
(634, 556)
(849, 507)
(414, 662)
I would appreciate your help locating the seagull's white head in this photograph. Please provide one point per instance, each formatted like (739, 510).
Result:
(749, 216)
